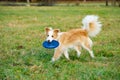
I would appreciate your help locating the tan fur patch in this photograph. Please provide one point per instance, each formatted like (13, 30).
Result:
(91, 26)
(55, 34)
(46, 30)
(73, 36)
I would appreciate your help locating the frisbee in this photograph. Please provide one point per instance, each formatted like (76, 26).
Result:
(51, 45)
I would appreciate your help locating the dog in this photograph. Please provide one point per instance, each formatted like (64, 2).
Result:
(75, 38)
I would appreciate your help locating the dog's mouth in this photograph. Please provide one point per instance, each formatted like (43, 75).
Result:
(49, 41)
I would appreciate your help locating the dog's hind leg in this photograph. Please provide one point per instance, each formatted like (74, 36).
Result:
(78, 48)
(88, 49)
(88, 46)
(66, 54)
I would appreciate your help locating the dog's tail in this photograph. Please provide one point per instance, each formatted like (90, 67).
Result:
(91, 25)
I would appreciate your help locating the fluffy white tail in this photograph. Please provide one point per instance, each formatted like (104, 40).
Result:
(92, 25)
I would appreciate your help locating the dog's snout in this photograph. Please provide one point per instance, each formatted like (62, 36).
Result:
(48, 40)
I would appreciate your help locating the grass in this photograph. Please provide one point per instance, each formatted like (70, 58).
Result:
(22, 56)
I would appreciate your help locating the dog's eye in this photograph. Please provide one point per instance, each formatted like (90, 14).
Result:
(52, 36)
(47, 35)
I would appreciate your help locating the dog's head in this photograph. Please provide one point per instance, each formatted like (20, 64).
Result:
(52, 34)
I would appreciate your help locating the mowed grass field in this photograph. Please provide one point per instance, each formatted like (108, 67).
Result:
(22, 56)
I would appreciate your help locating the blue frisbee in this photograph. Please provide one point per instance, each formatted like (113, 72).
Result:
(50, 45)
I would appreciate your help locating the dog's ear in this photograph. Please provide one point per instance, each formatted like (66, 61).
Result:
(47, 29)
(56, 30)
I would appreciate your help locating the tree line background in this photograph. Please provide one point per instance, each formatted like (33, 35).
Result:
(52, 2)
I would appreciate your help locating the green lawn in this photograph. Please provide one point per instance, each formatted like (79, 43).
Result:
(22, 56)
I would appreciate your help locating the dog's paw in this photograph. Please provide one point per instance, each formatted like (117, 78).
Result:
(53, 60)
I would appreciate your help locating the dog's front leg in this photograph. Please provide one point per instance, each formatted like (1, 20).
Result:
(57, 54)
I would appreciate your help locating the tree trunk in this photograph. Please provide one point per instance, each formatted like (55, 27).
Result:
(106, 2)
(114, 2)
(28, 2)
(118, 3)
(84, 0)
